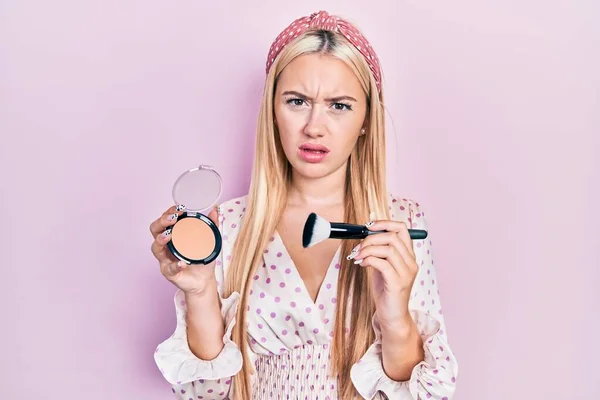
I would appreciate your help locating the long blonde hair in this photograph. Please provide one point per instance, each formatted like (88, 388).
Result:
(366, 192)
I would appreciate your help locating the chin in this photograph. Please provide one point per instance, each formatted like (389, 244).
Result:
(312, 173)
(313, 170)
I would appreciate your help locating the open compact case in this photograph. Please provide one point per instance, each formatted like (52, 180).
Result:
(195, 238)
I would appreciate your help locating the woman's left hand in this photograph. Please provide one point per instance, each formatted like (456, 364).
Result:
(391, 254)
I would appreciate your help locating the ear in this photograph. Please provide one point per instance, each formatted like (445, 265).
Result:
(366, 124)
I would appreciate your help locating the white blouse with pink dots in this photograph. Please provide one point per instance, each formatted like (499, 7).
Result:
(290, 335)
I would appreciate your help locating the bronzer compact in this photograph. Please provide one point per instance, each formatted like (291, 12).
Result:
(195, 238)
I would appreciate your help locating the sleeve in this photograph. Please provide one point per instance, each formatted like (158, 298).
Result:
(190, 376)
(434, 377)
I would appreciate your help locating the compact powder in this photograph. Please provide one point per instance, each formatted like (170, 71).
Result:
(193, 238)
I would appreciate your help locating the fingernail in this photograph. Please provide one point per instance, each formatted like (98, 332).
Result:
(173, 216)
(358, 261)
(180, 207)
(371, 220)
(353, 253)
(166, 233)
(181, 264)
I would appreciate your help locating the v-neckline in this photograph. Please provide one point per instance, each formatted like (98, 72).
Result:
(328, 272)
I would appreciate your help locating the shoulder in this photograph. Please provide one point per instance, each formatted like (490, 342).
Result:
(408, 210)
(233, 205)
(231, 212)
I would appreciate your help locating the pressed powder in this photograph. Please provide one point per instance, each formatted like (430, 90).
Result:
(193, 238)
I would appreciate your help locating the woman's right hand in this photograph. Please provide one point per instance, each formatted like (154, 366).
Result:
(191, 279)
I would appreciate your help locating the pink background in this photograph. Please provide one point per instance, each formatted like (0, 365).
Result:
(494, 124)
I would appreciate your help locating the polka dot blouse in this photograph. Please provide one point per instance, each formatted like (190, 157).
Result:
(290, 334)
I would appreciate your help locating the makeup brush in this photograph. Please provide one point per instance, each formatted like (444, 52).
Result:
(317, 229)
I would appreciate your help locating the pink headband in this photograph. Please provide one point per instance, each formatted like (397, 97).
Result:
(322, 20)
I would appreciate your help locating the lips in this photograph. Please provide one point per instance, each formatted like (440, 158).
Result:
(312, 153)
(316, 148)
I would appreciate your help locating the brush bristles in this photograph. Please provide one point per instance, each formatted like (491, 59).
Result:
(316, 230)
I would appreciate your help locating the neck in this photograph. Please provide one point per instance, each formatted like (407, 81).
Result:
(325, 191)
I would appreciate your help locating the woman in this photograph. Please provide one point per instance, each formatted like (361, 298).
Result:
(343, 319)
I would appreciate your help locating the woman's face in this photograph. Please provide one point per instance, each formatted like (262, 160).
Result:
(320, 109)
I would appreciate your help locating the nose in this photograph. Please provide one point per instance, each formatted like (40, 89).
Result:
(315, 125)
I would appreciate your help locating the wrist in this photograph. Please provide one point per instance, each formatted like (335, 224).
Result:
(399, 330)
(208, 290)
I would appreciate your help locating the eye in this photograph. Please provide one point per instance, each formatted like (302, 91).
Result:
(295, 102)
(342, 106)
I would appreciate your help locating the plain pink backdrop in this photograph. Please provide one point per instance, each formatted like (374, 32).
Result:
(493, 123)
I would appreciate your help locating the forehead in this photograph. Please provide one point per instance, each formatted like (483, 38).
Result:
(319, 73)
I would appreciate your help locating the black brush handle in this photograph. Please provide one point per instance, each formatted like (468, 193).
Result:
(341, 230)
(348, 231)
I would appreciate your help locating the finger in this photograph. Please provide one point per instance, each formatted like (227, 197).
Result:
(391, 278)
(158, 246)
(381, 239)
(388, 253)
(214, 216)
(400, 229)
(167, 219)
(406, 252)
(404, 236)
(388, 225)
(170, 269)
(394, 240)
(386, 239)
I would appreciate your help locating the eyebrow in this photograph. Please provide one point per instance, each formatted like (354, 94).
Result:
(303, 96)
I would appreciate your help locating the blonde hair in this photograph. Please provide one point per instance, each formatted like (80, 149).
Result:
(366, 192)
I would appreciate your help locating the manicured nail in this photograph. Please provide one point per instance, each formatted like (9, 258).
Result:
(166, 233)
(353, 253)
(181, 264)
(358, 261)
(371, 220)
(173, 217)
(180, 207)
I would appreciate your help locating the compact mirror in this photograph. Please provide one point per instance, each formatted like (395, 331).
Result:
(195, 238)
